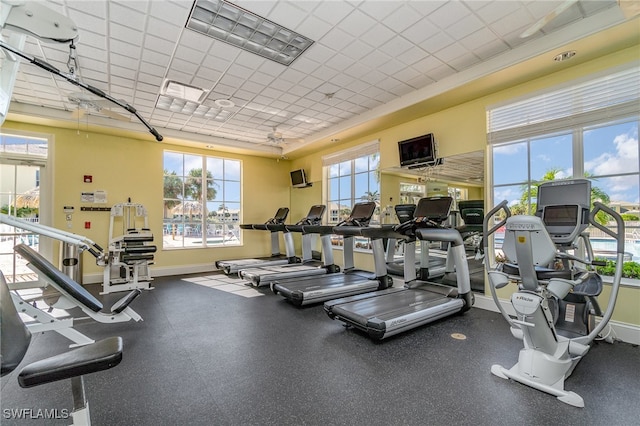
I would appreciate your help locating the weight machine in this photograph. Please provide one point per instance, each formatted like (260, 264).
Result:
(130, 249)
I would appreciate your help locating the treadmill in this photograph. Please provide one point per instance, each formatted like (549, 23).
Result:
(384, 313)
(276, 258)
(427, 266)
(265, 275)
(315, 289)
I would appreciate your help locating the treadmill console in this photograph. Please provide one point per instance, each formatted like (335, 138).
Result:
(280, 216)
(405, 212)
(429, 213)
(433, 210)
(360, 215)
(314, 217)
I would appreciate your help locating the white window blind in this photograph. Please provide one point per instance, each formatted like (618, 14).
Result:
(611, 96)
(365, 149)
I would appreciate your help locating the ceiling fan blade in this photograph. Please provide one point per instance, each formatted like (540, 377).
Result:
(548, 18)
(78, 113)
(115, 115)
(293, 140)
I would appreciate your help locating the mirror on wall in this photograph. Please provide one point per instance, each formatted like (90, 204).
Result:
(461, 176)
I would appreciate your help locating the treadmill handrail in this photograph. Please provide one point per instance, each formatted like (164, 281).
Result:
(440, 234)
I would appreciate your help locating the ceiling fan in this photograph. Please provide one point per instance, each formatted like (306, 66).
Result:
(87, 104)
(630, 8)
(276, 138)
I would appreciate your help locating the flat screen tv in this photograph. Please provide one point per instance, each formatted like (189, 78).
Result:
(299, 179)
(417, 151)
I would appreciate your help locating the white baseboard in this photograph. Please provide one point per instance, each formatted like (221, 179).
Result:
(622, 331)
(159, 272)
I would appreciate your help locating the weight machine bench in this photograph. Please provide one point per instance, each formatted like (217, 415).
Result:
(72, 295)
(15, 339)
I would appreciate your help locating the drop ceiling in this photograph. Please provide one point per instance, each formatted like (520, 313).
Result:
(369, 60)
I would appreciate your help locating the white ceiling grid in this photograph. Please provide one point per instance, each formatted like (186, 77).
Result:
(366, 54)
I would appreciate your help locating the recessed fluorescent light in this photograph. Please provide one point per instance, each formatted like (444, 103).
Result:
(229, 23)
(183, 91)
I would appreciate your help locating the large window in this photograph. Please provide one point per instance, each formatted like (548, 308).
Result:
(595, 135)
(352, 176)
(202, 205)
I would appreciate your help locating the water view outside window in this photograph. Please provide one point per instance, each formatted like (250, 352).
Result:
(202, 201)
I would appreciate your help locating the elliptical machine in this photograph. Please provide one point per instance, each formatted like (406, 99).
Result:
(556, 299)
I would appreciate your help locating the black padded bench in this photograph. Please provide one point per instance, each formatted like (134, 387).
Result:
(15, 339)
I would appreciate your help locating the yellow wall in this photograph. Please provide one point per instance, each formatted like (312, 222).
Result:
(462, 129)
(132, 168)
(126, 167)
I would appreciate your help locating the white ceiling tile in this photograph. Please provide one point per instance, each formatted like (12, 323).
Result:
(367, 52)
(157, 45)
(289, 15)
(84, 20)
(90, 42)
(152, 69)
(125, 34)
(498, 10)
(426, 8)
(185, 53)
(402, 18)
(465, 26)
(437, 42)
(339, 62)
(373, 77)
(162, 29)
(357, 50)
(451, 52)
(395, 46)
(123, 15)
(305, 65)
(428, 64)
(449, 14)
(357, 23)
(441, 72)
(137, 5)
(333, 11)
(125, 49)
(95, 8)
(336, 39)
(170, 12)
(314, 28)
(357, 70)
(377, 36)
(378, 10)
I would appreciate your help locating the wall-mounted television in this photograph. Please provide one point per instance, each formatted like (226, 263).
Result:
(418, 151)
(299, 179)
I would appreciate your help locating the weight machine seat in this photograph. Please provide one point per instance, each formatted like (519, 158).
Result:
(101, 355)
(60, 280)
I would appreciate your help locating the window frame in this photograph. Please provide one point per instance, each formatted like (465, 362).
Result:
(193, 231)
